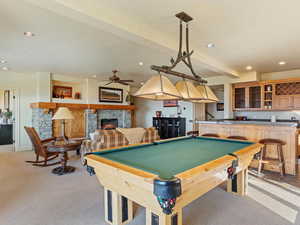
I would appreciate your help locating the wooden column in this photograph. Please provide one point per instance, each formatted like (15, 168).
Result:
(239, 184)
(118, 209)
(153, 218)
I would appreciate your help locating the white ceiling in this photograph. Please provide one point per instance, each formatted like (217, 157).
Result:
(64, 46)
(69, 40)
(258, 32)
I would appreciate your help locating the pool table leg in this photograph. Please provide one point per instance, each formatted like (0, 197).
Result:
(239, 184)
(118, 209)
(153, 218)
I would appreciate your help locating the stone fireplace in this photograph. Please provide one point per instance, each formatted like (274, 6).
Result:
(91, 116)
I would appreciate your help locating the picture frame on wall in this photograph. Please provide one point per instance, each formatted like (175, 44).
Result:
(62, 92)
(170, 103)
(107, 94)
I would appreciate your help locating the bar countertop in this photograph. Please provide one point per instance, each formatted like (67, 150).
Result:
(286, 123)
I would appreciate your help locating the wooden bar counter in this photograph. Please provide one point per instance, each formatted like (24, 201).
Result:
(255, 132)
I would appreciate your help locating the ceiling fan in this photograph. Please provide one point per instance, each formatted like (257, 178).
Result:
(116, 79)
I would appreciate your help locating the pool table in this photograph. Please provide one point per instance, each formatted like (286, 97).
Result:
(167, 175)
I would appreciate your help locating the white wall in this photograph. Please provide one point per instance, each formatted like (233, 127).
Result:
(212, 107)
(281, 75)
(25, 84)
(244, 77)
(281, 115)
(2, 99)
(43, 86)
(146, 111)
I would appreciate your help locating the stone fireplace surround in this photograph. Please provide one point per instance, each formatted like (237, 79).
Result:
(94, 121)
(42, 113)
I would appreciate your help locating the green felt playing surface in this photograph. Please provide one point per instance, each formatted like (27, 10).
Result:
(167, 159)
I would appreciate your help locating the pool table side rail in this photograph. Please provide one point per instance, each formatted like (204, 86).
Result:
(224, 161)
(94, 159)
(119, 148)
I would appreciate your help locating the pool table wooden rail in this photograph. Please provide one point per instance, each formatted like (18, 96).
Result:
(137, 185)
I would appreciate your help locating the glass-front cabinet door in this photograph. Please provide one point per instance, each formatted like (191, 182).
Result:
(240, 98)
(255, 97)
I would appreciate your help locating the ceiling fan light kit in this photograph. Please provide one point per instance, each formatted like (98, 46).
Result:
(160, 87)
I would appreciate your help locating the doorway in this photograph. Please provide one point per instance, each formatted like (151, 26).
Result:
(7, 120)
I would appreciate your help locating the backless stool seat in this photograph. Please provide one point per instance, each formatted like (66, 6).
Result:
(237, 138)
(278, 162)
(210, 135)
(193, 133)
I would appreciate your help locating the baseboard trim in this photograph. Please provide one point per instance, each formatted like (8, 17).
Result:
(23, 148)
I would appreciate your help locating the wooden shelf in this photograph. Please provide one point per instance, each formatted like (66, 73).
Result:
(54, 105)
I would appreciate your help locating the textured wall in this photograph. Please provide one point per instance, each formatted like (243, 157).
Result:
(91, 122)
(123, 116)
(42, 122)
(283, 115)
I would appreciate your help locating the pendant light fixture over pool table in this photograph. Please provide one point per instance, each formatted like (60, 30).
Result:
(159, 87)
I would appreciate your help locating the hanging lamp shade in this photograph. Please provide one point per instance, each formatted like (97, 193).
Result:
(158, 87)
(207, 94)
(188, 90)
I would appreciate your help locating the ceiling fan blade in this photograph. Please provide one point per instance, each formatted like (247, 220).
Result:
(108, 83)
(121, 82)
(127, 80)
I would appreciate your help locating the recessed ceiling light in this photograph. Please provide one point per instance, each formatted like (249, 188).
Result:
(210, 45)
(282, 63)
(29, 34)
(3, 61)
(4, 68)
(95, 76)
(248, 67)
(141, 63)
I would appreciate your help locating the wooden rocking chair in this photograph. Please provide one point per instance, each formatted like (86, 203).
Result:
(40, 149)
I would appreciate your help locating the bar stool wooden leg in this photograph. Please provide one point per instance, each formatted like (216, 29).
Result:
(280, 158)
(261, 157)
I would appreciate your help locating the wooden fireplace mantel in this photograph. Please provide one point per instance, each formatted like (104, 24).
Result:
(54, 105)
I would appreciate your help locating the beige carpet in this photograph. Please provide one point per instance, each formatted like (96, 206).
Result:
(34, 196)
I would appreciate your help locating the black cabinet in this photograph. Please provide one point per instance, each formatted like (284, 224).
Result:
(6, 134)
(169, 127)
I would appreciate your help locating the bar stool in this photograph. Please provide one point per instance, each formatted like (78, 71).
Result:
(193, 133)
(210, 135)
(279, 162)
(238, 138)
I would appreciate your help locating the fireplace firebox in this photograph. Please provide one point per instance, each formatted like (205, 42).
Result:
(108, 124)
